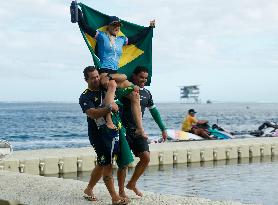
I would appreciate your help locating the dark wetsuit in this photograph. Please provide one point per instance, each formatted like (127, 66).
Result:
(137, 144)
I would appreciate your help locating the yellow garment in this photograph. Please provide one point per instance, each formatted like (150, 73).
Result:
(188, 122)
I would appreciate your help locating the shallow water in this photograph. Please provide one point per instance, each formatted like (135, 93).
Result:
(59, 125)
(249, 181)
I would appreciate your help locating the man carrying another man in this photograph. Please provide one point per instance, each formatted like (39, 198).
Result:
(138, 144)
(97, 104)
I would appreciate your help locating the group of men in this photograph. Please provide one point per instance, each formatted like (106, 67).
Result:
(109, 129)
(97, 103)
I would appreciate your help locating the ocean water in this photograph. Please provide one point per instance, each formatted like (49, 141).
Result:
(59, 125)
(247, 181)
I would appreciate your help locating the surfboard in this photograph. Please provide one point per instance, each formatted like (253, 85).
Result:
(178, 135)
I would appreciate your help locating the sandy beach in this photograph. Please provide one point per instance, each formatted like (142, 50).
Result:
(30, 189)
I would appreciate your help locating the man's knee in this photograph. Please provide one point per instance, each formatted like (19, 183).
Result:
(196, 131)
(122, 170)
(107, 178)
(107, 168)
(145, 158)
(98, 167)
(203, 133)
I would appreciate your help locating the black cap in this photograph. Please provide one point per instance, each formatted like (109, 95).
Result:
(114, 20)
(192, 111)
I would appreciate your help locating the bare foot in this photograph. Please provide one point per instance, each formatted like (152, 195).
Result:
(89, 195)
(119, 200)
(111, 126)
(134, 188)
(141, 132)
(123, 195)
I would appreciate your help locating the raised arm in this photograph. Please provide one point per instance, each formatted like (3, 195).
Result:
(83, 25)
(142, 34)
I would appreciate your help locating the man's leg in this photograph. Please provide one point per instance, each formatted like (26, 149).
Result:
(110, 94)
(109, 183)
(121, 175)
(119, 77)
(202, 133)
(95, 177)
(139, 170)
(134, 98)
(124, 84)
(109, 99)
(109, 122)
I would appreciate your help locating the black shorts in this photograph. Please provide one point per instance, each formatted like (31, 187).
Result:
(137, 144)
(105, 144)
(107, 70)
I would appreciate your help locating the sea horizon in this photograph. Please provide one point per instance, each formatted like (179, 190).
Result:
(160, 102)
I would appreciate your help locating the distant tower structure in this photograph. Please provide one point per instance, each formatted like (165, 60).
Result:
(189, 94)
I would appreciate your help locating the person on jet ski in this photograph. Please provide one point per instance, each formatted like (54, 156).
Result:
(195, 126)
(264, 131)
(268, 124)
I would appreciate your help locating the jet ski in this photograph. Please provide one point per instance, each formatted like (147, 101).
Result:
(219, 133)
(215, 131)
(267, 129)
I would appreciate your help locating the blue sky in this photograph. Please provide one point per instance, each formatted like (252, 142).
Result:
(229, 48)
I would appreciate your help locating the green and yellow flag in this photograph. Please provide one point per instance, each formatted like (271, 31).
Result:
(133, 55)
(124, 156)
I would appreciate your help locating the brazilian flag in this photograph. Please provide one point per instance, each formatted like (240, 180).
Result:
(124, 157)
(133, 55)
